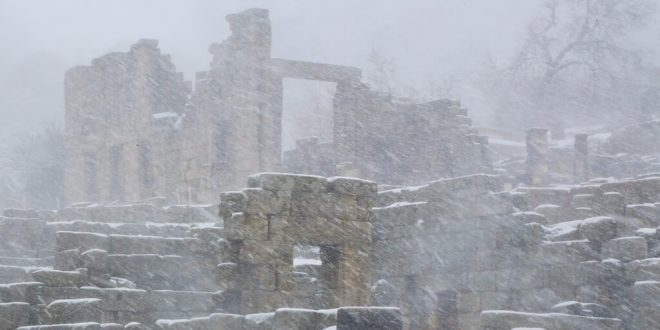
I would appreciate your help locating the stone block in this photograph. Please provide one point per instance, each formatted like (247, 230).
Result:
(468, 302)
(511, 320)
(352, 186)
(310, 184)
(530, 217)
(231, 202)
(75, 310)
(612, 203)
(266, 252)
(20, 213)
(95, 260)
(566, 252)
(320, 231)
(227, 275)
(14, 315)
(646, 318)
(496, 300)
(17, 235)
(182, 301)
(68, 240)
(583, 200)
(625, 249)
(68, 260)
(259, 321)
(647, 294)
(598, 229)
(272, 181)
(127, 300)
(226, 321)
(369, 318)
(17, 292)
(242, 227)
(57, 278)
(295, 319)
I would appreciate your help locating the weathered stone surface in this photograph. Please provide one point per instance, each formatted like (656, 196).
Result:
(509, 320)
(598, 229)
(75, 310)
(292, 318)
(67, 240)
(625, 248)
(56, 278)
(14, 314)
(382, 318)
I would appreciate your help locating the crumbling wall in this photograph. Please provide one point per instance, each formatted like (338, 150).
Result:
(111, 149)
(265, 221)
(133, 132)
(395, 143)
(446, 251)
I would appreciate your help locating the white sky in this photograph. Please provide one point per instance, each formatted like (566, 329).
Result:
(426, 38)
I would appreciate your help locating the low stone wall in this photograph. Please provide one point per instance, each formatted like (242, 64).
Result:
(276, 212)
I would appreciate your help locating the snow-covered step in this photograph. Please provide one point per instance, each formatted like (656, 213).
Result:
(644, 269)
(15, 274)
(75, 311)
(14, 315)
(26, 262)
(129, 244)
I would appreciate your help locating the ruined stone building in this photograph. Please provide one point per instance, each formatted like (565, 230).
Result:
(136, 129)
(545, 243)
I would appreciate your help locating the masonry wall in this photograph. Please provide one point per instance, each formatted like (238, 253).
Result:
(264, 223)
(447, 251)
(135, 129)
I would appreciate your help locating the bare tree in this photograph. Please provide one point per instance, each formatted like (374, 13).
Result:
(575, 64)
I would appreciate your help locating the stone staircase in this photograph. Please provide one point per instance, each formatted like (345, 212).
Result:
(107, 264)
(601, 243)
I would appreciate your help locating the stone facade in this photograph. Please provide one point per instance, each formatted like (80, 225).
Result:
(135, 129)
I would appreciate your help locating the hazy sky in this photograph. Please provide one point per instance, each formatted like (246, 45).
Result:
(425, 38)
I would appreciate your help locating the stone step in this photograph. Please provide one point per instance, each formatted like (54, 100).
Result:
(26, 262)
(76, 326)
(511, 320)
(644, 269)
(16, 274)
(123, 228)
(74, 311)
(14, 315)
(131, 244)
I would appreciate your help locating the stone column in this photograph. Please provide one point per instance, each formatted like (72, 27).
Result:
(581, 158)
(537, 156)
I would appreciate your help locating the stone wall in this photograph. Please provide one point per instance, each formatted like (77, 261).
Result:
(151, 266)
(446, 251)
(266, 221)
(135, 129)
(395, 143)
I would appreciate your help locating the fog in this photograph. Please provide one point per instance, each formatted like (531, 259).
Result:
(330, 164)
(427, 40)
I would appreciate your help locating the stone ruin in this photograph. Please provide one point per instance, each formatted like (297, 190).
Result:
(135, 129)
(509, 249)
(290, 251)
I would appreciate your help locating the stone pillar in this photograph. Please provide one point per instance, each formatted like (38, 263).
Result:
(537, 154)
(581, 158)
